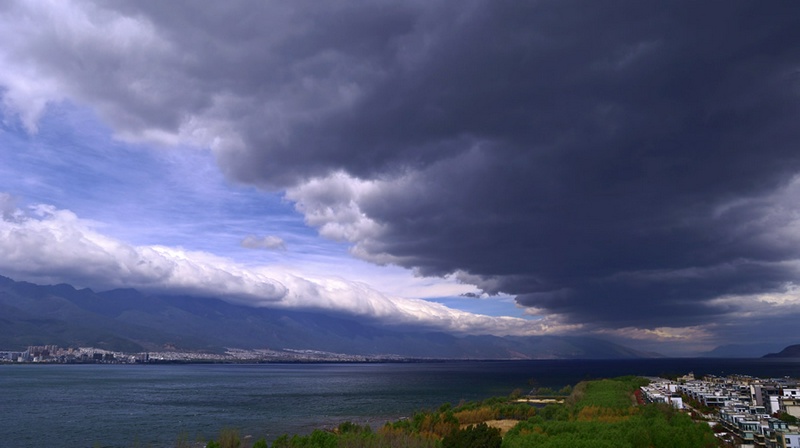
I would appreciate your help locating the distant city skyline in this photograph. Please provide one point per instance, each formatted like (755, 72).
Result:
(627, 170)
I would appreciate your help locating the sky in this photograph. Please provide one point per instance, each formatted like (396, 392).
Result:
(625, 170)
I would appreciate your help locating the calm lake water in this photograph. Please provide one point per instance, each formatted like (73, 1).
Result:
(153, 405)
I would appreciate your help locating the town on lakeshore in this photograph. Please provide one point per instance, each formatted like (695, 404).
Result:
(744, 411)
(91, 355)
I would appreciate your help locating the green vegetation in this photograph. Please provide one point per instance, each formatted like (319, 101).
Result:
(788, 418)
(228, 438)
(655, 426)
(697, 405)
(614, 394)
(602, 413)
(477, 436)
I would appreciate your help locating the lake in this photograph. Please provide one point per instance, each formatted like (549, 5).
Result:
(153, 405)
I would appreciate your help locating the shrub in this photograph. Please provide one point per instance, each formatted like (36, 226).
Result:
(229, 438)
(475, 415)
(473, 436)
(281, 442)
(352, 428)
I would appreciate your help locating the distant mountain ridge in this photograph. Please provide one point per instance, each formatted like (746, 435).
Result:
(754, 350)
(132, 321)
(792, 351)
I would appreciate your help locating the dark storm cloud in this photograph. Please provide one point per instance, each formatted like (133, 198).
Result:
(585, 156)
(623, 164)
(568, 151)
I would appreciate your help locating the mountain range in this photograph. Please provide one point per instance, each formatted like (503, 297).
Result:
(133, 321)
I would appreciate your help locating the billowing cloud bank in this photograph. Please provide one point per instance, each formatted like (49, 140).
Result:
(50, 245)
(627, 166)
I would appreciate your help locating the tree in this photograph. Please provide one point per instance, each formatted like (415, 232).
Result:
(474, 436)
(566, 390)
(281, 442)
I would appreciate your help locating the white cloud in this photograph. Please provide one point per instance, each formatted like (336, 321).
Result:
(331, 204)
(49, 245)
(775, 304)
(270, 242)
(677, 341)
(693, 334)
(56, 49)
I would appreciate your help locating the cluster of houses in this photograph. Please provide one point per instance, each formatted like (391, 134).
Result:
(745, 407)
(55, 354)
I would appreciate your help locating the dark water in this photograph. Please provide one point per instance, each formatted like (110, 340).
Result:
(153, 405)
